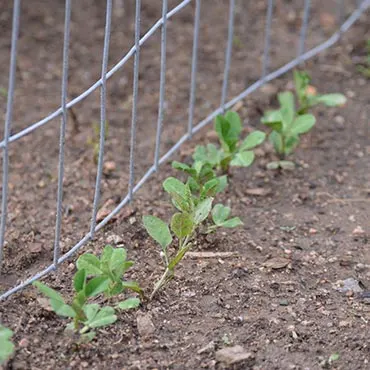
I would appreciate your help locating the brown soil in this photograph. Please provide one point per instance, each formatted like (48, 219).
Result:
(287, 318)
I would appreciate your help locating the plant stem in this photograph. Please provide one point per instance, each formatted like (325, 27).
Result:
(167, 275)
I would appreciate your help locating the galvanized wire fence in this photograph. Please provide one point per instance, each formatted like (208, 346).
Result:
(134, 185)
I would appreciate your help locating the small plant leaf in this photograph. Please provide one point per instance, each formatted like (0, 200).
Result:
(104, 317)
(287, 109)
(274, 165)
(182, 224)
(118, 259)
(6, 346)
(233, 222)
(303, 124)
(277, 141)
(209, 154)
(220, 213)
(291, 142)
(90, 263)
(331, 100)
(184, 167)
(287, 165)
(97, 285)
(158, 230)
(222, 183)
(91, 310)
(228, 131)
(56, 300)
(129, 303)
(210, 188)
(243, 159)
(254, 139)
(134, 286)
(235, 122)
(202, 210)
(79, 280)
(180, 193)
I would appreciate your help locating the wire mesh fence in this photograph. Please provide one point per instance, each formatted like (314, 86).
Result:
(135, 183)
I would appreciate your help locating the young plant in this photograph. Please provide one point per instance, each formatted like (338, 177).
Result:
(233, 152)
(6, 345)
(202, 179)
(87, 316)
(111, 265)
(287, 126)
(220, 218)
(288, 123)
(184, 226)
(365, 68)
(308, 97)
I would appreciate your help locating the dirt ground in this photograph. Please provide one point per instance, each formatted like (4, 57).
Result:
(315, 220)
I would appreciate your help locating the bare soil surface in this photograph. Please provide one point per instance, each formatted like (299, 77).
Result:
(269, 286)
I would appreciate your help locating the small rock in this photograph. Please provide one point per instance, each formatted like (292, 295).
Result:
(257, 191)
(358, 231)
(344, 324)
(145, 324)
(109, 167)
(233, 355)
(24, 342)
(210, 347)
(350, 285)
(276, 263)
(312, 231)
(114, 239)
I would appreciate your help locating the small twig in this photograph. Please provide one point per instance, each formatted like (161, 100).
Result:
(212, 254)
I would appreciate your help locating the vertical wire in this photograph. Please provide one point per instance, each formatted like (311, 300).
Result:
(162, 83)
(134, 100)
(303, 33)
(103, 108)
(63, 125)
(229, 47)
(266, 51)
(194, 68)
(8, 122)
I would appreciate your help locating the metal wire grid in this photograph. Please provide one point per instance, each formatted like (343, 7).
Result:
(105, 75)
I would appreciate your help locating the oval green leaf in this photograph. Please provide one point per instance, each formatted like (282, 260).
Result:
(182, 224)
(158, 230)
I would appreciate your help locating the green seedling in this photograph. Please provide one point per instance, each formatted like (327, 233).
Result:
(94, 140)
(365, 69)
(87, 316)
(111, 265)
(184, 226)
(287, 126)
(202, 179)
(288, 122)
(220, 217)
(233, 151)
(308, 97)
(6, 345)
